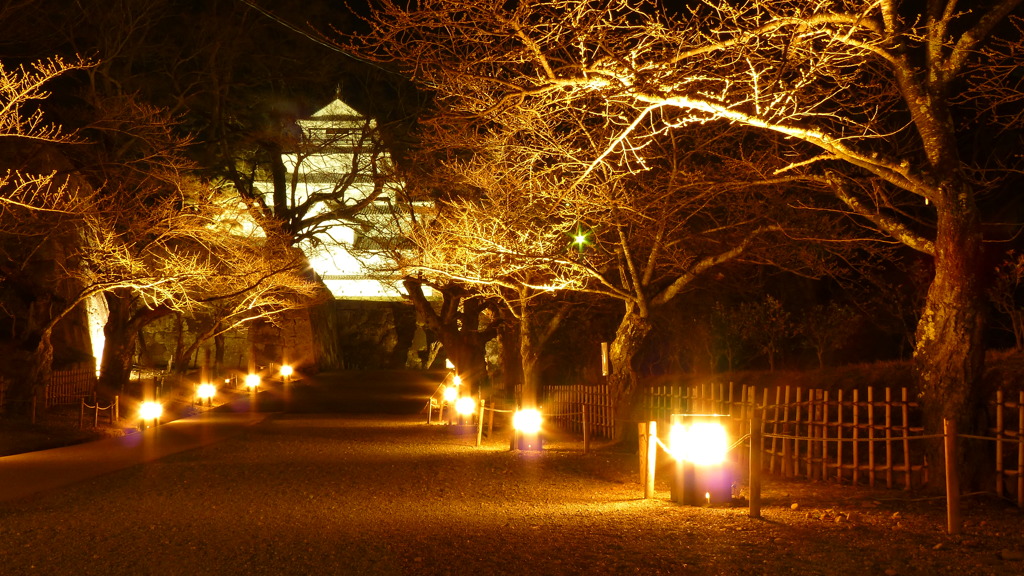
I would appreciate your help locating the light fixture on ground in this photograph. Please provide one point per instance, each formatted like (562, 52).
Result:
(205, 393)
(527, 424)
(465, 406)
(700, 445)
(150, 411)
(252, 381)
(450, 394)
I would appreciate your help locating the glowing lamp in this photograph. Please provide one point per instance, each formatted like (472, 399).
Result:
(700, 443)
(457, 380)
(150, 410)
(286, 370)
(527, 421)
(465, 406)
(206, 391)
(451, 393)
(252, 380)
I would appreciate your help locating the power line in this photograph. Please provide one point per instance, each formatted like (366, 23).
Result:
(306, 34)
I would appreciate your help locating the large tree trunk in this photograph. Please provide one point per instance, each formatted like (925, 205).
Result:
(622, 380)
(949, 354)
(29, 372)
(511, 364)
(529, 354)
(457, 327)
(118, 346)
(121, 334)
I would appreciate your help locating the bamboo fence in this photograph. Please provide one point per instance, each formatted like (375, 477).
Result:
(1008, 434)
(564, 405)
(69, 387)
(848, 437)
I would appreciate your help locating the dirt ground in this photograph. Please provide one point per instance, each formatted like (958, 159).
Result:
(571, 512)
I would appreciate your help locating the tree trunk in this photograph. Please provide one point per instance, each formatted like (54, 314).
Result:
(219, 346)
(118, 347)
(949, 355)
(120, 334)
(457, 327)
(529, 354)
(629, 338)
(511, 364)
(29, 373)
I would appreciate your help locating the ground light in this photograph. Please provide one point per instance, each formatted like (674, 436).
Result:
(465, 406)
(150, 411)
(206, 392)
(286, 372)
(252, 381)
(700, 444)
(527, 424)
(451, 393)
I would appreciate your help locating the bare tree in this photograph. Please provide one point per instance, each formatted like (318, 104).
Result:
(640, 232)
(863, 96)
(136, 227)
(826, 328)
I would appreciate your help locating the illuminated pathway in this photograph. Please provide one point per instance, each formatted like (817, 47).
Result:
(332, 489)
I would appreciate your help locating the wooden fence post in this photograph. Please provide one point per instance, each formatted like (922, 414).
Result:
(1020, 450)
(642, 453)
(952, 478)
(652, 457)
(480, 423)
(586, 430)
(755, 465)
(1000, 478)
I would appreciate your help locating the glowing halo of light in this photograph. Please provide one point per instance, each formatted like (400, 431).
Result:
(465, 406)
(252, 380)
(286, 370)
(700, 443)
(206, 391)
(528, 421)
(151, 410)
(451, 394)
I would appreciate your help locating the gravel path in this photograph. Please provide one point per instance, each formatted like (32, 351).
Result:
(371, 494)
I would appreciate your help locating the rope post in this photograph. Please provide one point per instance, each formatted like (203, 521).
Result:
(755, 466)
(81, 413)
(480, 423)
(652, 458)
(642, 453)
(586, 430)
(490, 424)
(117, 410)
(952, 479)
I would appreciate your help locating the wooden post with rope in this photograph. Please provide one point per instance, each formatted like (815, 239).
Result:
(480, 423)
(755, 465)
